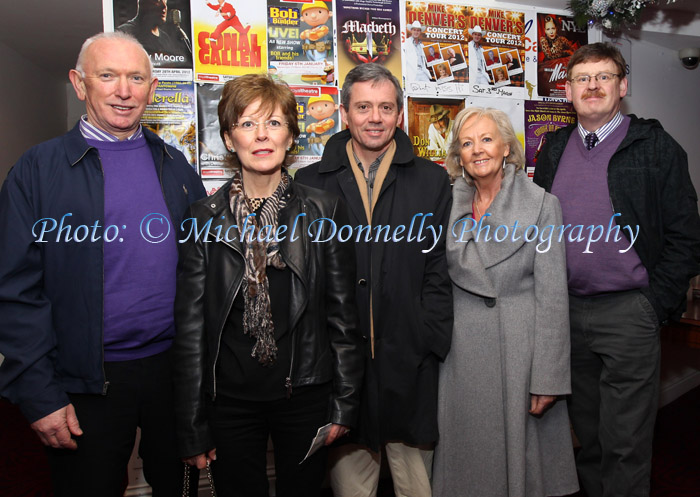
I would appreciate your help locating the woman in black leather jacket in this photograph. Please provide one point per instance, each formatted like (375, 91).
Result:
(266, 342)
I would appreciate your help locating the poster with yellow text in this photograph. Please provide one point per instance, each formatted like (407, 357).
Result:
(230, 39)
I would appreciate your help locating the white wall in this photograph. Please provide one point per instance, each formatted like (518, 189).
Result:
(32, 107)
(663, 89)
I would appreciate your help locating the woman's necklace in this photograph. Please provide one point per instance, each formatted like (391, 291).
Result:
(476, 203)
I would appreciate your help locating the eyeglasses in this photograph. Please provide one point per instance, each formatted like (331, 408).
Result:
(602, 77)
(270, 125)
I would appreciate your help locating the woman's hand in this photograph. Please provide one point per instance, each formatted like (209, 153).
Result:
(201, 460)
(336, 432)
(540, 403)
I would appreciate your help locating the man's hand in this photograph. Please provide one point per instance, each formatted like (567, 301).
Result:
(540, 403)
(55, 430)
(336, 432)
(200, 460)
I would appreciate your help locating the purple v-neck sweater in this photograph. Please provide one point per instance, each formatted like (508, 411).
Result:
(581, 184)
(139, 276)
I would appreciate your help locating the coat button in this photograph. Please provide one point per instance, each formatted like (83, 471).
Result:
(362, 282)
(490, 302)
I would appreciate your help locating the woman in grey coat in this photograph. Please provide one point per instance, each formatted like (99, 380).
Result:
(504, 429)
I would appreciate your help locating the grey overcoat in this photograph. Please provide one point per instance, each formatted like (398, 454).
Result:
(510, 339)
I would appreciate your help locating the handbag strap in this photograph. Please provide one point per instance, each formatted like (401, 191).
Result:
(186, 481)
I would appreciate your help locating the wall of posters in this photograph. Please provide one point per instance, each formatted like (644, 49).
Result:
(443, 53)
(368, 31)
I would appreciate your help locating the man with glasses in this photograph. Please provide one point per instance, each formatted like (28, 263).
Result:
(613, 171)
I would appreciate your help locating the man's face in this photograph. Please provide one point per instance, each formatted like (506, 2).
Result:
(415, 33)
(596, 102)
(315, 17)
(476, 37)
(116, 87)
(372, 115)
(441, 124)
(321, 110)
(155, 10)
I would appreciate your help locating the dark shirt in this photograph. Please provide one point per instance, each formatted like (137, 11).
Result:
(240, 375)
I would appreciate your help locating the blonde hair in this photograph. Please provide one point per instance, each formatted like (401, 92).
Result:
(516, 155)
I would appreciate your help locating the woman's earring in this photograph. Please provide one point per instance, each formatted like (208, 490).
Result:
(463, 176)
(504, 162)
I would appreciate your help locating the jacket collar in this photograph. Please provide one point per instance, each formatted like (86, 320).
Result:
(77, 147)
(218, 208)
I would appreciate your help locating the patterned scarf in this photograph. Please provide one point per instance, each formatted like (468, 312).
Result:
(259, 253)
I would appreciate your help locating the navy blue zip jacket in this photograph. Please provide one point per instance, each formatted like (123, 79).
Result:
(51, 293)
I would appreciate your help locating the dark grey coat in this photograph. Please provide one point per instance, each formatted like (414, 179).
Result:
(510, 339)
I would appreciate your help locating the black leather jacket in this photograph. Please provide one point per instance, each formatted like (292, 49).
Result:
(326, 345)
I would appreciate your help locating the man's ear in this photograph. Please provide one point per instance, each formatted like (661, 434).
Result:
(78, 84)
(343, 115)
(154, 85)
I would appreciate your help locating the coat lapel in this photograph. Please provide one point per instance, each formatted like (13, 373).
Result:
(464, 257)
(348, 185)
(472, 252)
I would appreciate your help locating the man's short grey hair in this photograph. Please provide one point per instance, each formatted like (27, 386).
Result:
(374, 73)
(109, 35)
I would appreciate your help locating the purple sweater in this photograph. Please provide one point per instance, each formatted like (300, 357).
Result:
(139, 276)
(581, 184)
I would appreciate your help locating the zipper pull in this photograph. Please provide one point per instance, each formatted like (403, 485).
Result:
(288, 386)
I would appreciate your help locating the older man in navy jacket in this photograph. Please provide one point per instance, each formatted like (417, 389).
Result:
(87, 280)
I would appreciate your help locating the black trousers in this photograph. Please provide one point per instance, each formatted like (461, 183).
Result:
(241, 430)
(615, 356)
(139, 395)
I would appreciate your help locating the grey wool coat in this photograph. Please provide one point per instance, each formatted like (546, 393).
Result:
(510, 340)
